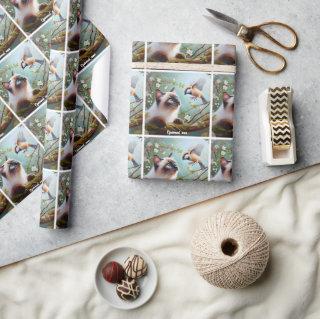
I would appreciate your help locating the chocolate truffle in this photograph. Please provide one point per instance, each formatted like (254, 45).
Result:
(135, 266)
(113, 272)
(128, 289)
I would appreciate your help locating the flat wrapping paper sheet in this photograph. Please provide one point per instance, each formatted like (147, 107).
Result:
(182, 111)
(51, 57)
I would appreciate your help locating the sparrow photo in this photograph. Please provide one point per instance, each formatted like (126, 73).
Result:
(56, 71)
(134, 156)
(29, 14)
(177, 103)
(176, 158)
(10, 35)
(136, 102)
(48, 198)
(67, 140)
(87, 126)
(21, 164)
(223, 105)
(224, 54)
(179, 53)
(85, 90)
(92, 43)
(221, 160)
(52, 140)
(64, 195)
(24, 75)
(70, 91)
(8, 120)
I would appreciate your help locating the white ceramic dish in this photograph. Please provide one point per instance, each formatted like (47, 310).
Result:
(148, 283)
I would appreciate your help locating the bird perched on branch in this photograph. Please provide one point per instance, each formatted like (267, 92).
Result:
(194, 155)
(134, 82)
(131, 148)
(28, 59)
(22, 145)
(57, 9)
(49, 128)
(46, 187)
(53, 68)
(195, 90)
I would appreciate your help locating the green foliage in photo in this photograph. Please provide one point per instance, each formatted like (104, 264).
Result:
(219, 149)
(222, 83)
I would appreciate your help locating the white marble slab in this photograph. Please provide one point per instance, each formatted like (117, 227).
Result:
(104, 198)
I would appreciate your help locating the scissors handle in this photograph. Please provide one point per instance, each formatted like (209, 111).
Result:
(251, 47)
(259, 29)
(247, 34)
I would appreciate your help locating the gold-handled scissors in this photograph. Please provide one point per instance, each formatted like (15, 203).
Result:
(247, 34)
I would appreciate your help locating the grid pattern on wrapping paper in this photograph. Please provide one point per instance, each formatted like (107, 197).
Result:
(181, 119)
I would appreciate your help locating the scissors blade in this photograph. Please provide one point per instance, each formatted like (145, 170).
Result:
(225, 21)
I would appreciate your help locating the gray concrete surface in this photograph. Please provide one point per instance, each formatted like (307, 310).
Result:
(104, 198)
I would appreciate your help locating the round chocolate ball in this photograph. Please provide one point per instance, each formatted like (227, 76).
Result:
(135, 266)
(113, 272)
(128, 289)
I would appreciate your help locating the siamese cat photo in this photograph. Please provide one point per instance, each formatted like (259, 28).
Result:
(223, 116)
(14, 177)
(20, 92)
(63, 211)
(26, 11)
(224, 173)
(164, 168)
(165, 109)
(71, 92)
(67, 151)
(225, 54)
(164, 52)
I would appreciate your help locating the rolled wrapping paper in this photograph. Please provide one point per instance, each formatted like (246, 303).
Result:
(230, 250)
(60, 116)
(25, 90)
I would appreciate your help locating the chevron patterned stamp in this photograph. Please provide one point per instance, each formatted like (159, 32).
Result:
(279, 118)
(281, 135)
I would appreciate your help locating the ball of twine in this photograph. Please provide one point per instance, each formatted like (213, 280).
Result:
(230, 250)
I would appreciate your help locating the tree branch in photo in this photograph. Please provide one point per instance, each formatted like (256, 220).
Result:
(14, 35)
(87, 53)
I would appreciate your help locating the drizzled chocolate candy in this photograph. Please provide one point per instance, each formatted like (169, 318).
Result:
(128, 289)
(135, 266)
